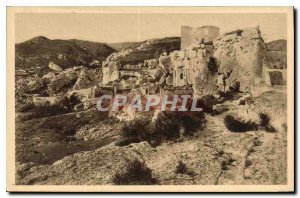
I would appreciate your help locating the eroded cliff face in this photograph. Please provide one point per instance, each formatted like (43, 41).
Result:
(240, 55)
(192, 67)
(234, 61)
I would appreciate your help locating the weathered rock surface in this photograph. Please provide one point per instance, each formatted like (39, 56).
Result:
(191, 66)
(54, 66)
(240, 56)
(145, 50)
(63, 82)
(214, 156)
(34, 86)
(49, 77)
(87, 78)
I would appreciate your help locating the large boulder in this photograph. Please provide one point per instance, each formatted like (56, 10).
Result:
(87, 78)
(240, 56)
(54, 66)
(48, 77)
(35, 86)
(63, 82)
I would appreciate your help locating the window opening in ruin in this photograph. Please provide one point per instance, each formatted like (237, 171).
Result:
(181, 76)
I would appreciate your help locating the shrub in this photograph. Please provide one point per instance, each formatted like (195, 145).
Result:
(168, 126)
(235, 125)
(207, 102)
(183, 169)
(248, 163)
(135, 173)
(265, 122)
(264, 119)
(136, 129)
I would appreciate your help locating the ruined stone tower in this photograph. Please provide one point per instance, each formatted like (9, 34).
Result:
(205, 33)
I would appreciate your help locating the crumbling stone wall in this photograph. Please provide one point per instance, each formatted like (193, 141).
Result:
(204, 33)
(274, 77)
(191, 67)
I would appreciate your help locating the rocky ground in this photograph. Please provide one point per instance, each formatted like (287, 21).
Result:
(87, 154)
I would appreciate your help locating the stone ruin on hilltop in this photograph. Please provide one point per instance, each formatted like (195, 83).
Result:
(207, 62)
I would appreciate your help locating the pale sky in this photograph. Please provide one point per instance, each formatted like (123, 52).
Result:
(120, 27)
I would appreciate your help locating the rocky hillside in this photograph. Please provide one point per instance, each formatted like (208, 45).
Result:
(122, 45)
(98, 50)
(39, 51)
(146, 50)
(213, 156)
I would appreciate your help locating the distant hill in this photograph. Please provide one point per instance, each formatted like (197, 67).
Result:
(39, 51)
(277, 45)
(99, 50)
(149, 49)
(122, 45)
(276, 55)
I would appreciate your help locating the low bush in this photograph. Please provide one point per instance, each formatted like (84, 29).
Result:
(235, 125)
(183, 169)
(207, 102)
(265, 122)
(167, 126)
(134, 173)
(137, 129)
(264, 119)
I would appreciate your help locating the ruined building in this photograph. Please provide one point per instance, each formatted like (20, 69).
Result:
(201, 34)
(207, 61)
(190, 67)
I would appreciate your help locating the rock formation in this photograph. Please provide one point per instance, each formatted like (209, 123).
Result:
(190, 67)
(54, 66)
(87, 78)
(240, 55)
(63, 82)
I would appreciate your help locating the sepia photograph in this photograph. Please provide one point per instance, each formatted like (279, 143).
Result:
(150, 99)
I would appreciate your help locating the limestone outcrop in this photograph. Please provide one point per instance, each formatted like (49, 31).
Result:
(49, 77)
(240, 56)
(63, 82)
(34, 86)
(191, 67)
(54, 66)
(87, 78)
